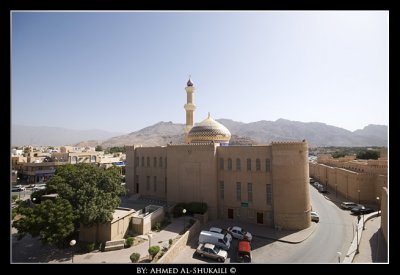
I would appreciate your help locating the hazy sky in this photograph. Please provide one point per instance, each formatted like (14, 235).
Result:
(122, 71)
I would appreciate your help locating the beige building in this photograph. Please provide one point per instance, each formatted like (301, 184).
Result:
(360, 181)
(266, 184)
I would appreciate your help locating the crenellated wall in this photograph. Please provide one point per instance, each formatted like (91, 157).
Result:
(360, 187)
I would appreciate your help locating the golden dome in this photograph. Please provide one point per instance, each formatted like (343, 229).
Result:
(209, 130)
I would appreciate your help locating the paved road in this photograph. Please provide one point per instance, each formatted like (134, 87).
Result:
(333, 234)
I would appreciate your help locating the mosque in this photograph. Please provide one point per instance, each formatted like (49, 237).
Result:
(263, 184)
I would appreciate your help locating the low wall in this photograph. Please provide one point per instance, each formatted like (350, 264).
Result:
(142, 224)
(180, 244)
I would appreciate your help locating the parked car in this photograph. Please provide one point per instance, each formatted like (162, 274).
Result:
(244, 252)
(221, 231)
(322, 189)
(348, 205)
(238, 233)
(314, 216)
(359, 210)
(214, 238)
(211, 251)
(17, 189)
(312, 180)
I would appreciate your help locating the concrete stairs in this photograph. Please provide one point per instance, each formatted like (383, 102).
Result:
(114, 245)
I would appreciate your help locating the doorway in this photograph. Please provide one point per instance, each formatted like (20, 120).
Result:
(230, 213)
(260, 218)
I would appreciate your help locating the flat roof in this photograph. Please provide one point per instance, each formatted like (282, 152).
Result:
(121, 212)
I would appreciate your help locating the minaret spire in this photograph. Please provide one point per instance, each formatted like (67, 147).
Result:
(189, 107)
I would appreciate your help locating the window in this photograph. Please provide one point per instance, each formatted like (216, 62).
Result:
(160, 162)
(239, 191)
(230, 164)
(269, 194)
(148, 183)
(154, 162)
(142, 161)
(249, 191)
(221, 190)
(136, 161)
(155, 183)
(238, 164)
(136, 178)
(148, 161)
(248, 164)
(258, 165)
(221, 164)
(268, 165)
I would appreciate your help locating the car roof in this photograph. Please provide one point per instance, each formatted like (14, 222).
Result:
(244, 246)
(237, 228)
(209, 245)
(215, 229)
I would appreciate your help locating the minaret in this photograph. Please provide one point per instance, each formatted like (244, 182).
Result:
(190, 108)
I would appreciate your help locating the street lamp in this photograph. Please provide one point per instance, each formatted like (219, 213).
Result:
(339, 254)
(72, 243)
(184, 221)
(379, 206)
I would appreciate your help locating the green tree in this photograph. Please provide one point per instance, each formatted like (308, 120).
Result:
(338, 154)
(91, 193)
(368, 154)
(99, 148)
(51, 221)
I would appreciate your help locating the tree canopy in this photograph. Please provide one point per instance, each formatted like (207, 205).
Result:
(368, 154)
(91, 193)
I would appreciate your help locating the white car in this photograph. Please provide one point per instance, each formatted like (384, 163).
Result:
(314, 216)
(211, 251)
(238, 233)
(221, 231)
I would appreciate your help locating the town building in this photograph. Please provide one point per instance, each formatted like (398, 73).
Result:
(264, 184)
(360, 181)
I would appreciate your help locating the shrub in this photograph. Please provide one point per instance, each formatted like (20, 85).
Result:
(157, 227)
(135, 257)
(89, 247)
(129, 241)
(153, 250)
(170, 242)
(177, 211)
(197, 207)
(14, 197)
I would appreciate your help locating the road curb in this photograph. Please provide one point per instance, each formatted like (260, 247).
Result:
(288, 241)
(351, 253)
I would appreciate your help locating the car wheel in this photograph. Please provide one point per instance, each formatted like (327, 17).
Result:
(202, 255)
(220, 260)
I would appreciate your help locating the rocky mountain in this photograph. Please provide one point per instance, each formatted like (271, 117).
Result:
(262, 132)
(43, 135)
(161, 133)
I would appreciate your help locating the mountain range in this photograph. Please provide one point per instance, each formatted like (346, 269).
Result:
(55, 136)
(260, 132)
